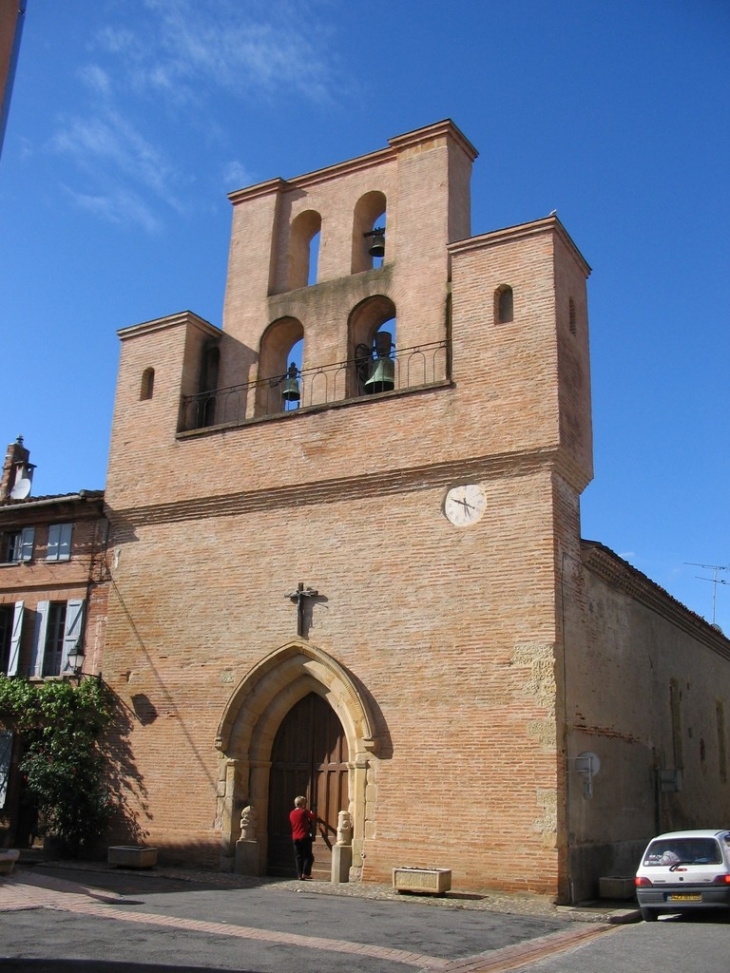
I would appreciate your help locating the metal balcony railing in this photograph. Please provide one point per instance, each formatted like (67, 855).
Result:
(409, 368)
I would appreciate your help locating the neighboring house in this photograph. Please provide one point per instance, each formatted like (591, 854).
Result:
(52, 591)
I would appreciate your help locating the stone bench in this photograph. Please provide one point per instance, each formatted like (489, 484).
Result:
(131, 856)
(8, 858)
(431, 881)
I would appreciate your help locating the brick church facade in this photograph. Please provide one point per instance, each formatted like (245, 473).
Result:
(346, 556)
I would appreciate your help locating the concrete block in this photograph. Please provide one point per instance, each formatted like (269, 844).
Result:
(433, 881)
(132, 856)
(8, 858)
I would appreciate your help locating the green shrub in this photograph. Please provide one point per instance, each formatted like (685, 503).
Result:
(60, 724)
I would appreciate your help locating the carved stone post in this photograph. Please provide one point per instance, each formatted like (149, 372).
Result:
(342, 851)
(247, 846)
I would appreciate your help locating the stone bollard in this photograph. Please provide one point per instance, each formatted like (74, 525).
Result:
(342, 851)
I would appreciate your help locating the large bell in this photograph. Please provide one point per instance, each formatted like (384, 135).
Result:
(382, 378)
(290, 390)
(377, 245)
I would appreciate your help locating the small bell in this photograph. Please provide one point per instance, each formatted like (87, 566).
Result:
(377, 245)
(290, 390)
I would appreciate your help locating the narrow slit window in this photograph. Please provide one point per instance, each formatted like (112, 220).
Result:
(148, 384)
(504, 304)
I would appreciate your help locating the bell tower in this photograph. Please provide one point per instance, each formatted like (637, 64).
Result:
(396, 414)
(415, 192)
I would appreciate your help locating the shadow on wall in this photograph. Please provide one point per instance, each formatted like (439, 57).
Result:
(125, 781)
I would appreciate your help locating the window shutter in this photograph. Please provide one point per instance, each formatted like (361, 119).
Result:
(59, 542)
(39, 638)
(54, 532)
(17, 631)
(73, 629)
(64, 546)
(26, 544)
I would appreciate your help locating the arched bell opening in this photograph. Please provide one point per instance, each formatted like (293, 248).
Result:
(247, 740)
(372, 337)
(369, 232)
(304, 240)
(280, 362)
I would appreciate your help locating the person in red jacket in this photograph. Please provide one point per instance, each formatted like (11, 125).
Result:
(302, 831)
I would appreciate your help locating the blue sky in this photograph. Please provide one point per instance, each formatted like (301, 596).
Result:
(132, 119)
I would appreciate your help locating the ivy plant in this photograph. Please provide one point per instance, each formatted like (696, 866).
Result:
(60, 725)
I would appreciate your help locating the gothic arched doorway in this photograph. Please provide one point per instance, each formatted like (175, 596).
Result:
(309, 757)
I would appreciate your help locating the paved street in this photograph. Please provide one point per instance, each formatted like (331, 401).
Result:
(57, 919)
(672, 945)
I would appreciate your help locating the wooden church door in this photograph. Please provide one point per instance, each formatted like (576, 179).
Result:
(309, 757)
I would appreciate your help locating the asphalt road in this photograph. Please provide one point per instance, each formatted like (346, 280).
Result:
(58, 921)
(700, 943)
(53, 921)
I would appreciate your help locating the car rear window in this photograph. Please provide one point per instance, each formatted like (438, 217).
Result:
(689, 851)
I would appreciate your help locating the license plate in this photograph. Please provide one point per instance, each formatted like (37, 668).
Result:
(684, 898)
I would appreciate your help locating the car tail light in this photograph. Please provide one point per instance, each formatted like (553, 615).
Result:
(641, 881)
(721, 880)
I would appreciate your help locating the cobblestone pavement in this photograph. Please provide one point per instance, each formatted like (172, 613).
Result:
(96, 891)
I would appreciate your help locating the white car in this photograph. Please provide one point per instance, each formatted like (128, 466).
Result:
(684, 870)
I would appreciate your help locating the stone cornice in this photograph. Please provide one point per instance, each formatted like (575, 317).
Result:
(430, 132)
(612, 569)
(420, 136)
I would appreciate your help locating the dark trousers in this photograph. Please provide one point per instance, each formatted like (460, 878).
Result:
(303, 856)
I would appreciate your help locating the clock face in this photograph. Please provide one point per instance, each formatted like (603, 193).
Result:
(464, 505)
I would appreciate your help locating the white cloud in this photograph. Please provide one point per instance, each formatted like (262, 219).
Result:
(121, 207)
(157, 78)
(227, 45)
(236, 175)
(95, 78)
(112, 140)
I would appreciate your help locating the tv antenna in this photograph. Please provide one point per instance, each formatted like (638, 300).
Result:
(715, 568)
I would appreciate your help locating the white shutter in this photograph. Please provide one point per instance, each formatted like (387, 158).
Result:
(26, 544)
(54, 532)
(72, 630)
(59, 542)
(39, 638)
(64, 542)
(15, 635)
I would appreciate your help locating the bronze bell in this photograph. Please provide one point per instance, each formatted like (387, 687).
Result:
(377, 245)
(290, 391)
(382, 378)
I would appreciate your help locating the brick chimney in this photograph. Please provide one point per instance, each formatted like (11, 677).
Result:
(15, 467)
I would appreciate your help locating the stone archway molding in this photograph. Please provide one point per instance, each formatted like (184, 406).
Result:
(249, 724)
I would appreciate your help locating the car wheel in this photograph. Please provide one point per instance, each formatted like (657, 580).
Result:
(649, 915)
